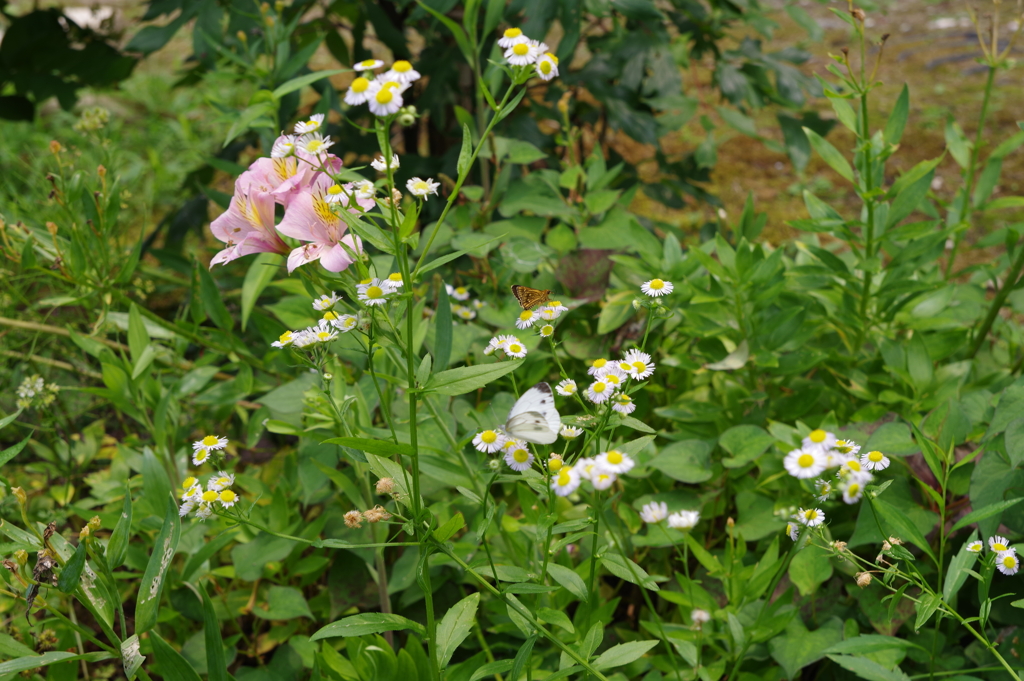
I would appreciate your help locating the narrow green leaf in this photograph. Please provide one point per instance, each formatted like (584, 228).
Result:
(462, 380)
(624, 653)
(926, 607)
(447, 258)
(170, 664)
(898, 118)
(212, 301)
(138, 336)
(302, 81)
(568, 578)
(261, 272)
(379, 447)
(868, 669)
(898, 524)
(829, 154)
(448, 530)
(460, 36)
(454, 628)
(71, 575)
(117, 545)
(11, 418)
(368, 623)
(522, 657)
(148, 603)
(216, 661)
(467, 151)
(986, 512)
(13, 450)
(957, 143)
(442, 332)
(46, 659)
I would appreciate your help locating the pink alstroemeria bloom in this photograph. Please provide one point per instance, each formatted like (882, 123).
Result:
(309, 217)
(284, 177)
(247, 226)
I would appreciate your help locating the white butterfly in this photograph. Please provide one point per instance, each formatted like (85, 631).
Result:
(533, 417)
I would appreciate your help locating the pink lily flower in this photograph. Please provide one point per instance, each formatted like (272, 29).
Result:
(309, 217)
(247, 226)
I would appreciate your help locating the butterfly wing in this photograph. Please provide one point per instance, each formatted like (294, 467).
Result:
(529, 297)
(533, 417)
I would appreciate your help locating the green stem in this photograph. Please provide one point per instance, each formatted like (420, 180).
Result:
(997, 303)
(869, 228)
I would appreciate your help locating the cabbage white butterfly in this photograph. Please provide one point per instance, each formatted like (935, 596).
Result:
(533, 417)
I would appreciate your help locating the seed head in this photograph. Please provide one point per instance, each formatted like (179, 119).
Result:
(863, 579)
(353, 519)
(385, 486)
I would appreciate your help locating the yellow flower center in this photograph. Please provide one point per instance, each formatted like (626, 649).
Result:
(314, 146)
(402, 66)
(552, 57)
(374, 292)
(366, 281)
(613, 379)
(526, 315)
(421, 186)
(998, 547)
(545, 67)
(384, 96)
(554, 465)
(323, 335)
(657, 284)
(461, 290)
(210, 440)
(853, 490)
(624, 399)
(547, 330)
(228, 496)
(1009, 561)
(285, 337)
(564, 478)
(554, 303)
(515, 347)
(201, 455)
(805, 461)
(599, 387)
(189, 481)
(513, 32)
(640, 366)
(334, 190)
(875, 457)
(368, 63)
(598, 363)
(209, 496)
(614, 457)
(360, 84)
(330, 315)
(853, 465)
(521, 455)
(489, 437)
(817, 435)
(811, 514)
(395, 276)
(521, 49)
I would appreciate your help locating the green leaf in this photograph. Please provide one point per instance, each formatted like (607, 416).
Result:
(626, 569)
(466, 153)
(745, 443)
(798, 647)
(71, 575)
(957, 143)
(138, 337)
(13, 450)
(909, 198)
(216, 660)
(302, 81)
(703, 556)
(454, 627)
(986, 512)
(369, 623)
(212, 301)
(568, 578)
(522, 657)
(117, 545)
(170, 664)
(809, 568)
(284, 603)
(616, 312)
(870, 643)
(497, 667)
(899, 525)
(624, 653)
(148, 602)
(461, 39)
(448, 530)
(898, 118)
(926, 607)
(556, 618)
(829, 154)
(462, 380)
(46, 659)
(1006, 202)
(442, 332)
(686, 461)
(959, 564)
(868, 669)
(248, 117)
(261, 271)
(11, 418)
(444, 259)
(379, 447)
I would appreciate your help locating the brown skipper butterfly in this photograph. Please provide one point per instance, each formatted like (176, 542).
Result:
(529, 297)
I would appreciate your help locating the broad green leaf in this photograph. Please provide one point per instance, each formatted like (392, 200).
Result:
(686, 461)
(284, 603)
(868, 669)
(448, 530)
(745, 443)
(623, 653)
(797, 647)
(557, 618)
(171, 665)
(809, 568)
(261, 270)
(216, 660)
(957, 143)
(302, 81)
(467, 379)
(830, 154)
(626, 569)
(568, 578)
(138, 337)
(616, 312)
(926, 607)
(369, 623)
(151, 586)
(454, 627)
(71, 575)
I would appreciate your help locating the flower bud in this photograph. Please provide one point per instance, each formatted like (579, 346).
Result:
(555, 464)
(353, 519)
(51, 227)
(858, 14)
(385, 486)
(21, 555)
(278, 6)
(376, 514)
(839, 546)
(494, 464)
(84, 533)
(101, 170)
(94, 523)
(863, 579)
(328, 375)
(55, 147)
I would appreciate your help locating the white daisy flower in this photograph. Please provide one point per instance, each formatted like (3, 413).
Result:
(699, 617)
(402, 72)
(422, 188)
(555, 463)
(684, 520)
(570, 432)
(345, 322)
(804, 463)
(615, 461)
(368, 65)
(820, 439)
(227, 498)
(210, 442)
(526, 319)
(793, 530)
(380, 166)
(489, 441)
(365, 190)
(204, 511)
(221, 481)
(303, 338)
(519, 458)
(853, 488)
(463, 312)
(556, 306)
(326, 302)
(566, 387)
(522, 54)
(657, 287)
(997, 544)
(812, 517)
(596, 366)
(823, 490)
(335, 194)
(283, 146)
(186, 508)
(358, 92)
(975, 547)
(623, 404)
(512, 36)
(548, 314)
(601, 478)
(875, 461)
(849, 465)
(460, 293)
(503, 341)
(612, 375)
(654, 512)
(315, 144)
(373, 293)
(566, 482)
(385, 98)
(479, 304)
(314, 123)
(847, 447)
(284, 339)
(585, 466)
(515, 349)
(640, 364)
(547, 66)
(547, 331)
(1008, 563)
(324, 334)
(394, 281)
(599, 391)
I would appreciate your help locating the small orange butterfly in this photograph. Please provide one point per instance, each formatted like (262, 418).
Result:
(530, 297)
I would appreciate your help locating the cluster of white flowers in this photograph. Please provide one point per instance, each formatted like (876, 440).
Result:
(656, 511)
(610, 378)
(523, 52)
(542, 317)
(601, 471)
(821, 450)
(510, 345)
(461, 294)
(329, 326)
(1005, 555)
(193, 496)
(381, 92)
(34, 391)
(308, 138)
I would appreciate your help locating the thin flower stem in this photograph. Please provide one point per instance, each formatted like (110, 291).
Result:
(1009, 282)
(592, 600)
